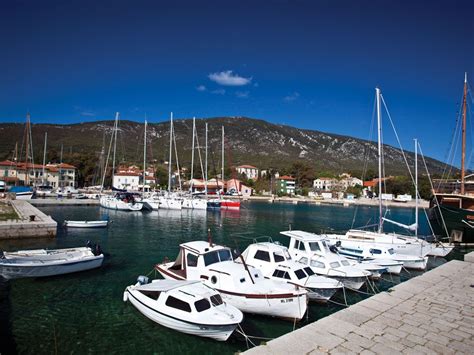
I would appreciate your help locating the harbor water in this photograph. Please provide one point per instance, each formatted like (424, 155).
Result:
(84, 312)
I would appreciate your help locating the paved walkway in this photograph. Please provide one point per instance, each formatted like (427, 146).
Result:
(40, 225)
(429, 314)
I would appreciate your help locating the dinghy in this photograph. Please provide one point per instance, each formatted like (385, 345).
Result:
(186, 306)
(86, 224)
(45, 262)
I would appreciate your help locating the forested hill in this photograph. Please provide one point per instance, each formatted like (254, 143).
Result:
(248, 141)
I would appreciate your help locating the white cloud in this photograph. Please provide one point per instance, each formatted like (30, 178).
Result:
(227, 78)
(201, 88)
(242, 94)
(291, 97)
(218, 92)
(87, 114)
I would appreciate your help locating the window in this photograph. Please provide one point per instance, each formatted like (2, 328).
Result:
(345, 263)
(300, 274)
(192, 260)
(335, 264)
(303, 260)
(375, 251)
(278, 257)
(173, 302)
(391, 251)
(301, 246)
(216, 300)
(202, 305)
(224, 255)
(151, 294)
(242, 280)
(309, 271)
(281, 274)
(314, 246)
(211, 258)
(262, 255)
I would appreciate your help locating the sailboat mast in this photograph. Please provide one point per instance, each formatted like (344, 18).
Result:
(44, 154)
(114, 135)
(144, 159)
(379, 138)
(416, 187)
(27, 146)
(171, 147)
(222, 174)
(463, 156)
(205, 178)
(192, 156)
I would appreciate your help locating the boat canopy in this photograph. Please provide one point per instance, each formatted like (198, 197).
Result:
(165, 285)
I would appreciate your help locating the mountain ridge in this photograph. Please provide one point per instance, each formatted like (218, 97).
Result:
(248, 141)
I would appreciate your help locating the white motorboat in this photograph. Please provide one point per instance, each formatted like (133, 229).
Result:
(381, 255)
(44, 262)
(241, 285)
(312, 250)
(86, 224)
(186, 306)
(275, 262)
(121, 201)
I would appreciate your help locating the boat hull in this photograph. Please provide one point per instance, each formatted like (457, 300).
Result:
(86, 224)
(12, 271)
(459, 223)
(114, 204)
(217, 332)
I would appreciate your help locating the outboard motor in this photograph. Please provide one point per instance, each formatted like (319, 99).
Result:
(142, 280)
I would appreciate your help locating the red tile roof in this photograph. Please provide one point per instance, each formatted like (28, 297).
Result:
(286, 177)
(246, 167)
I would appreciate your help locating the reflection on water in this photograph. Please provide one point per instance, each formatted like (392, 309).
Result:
(84, 312)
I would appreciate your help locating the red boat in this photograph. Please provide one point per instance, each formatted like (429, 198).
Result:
(228, 204)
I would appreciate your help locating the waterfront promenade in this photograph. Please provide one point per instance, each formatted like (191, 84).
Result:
(31, 223)
(429, 314)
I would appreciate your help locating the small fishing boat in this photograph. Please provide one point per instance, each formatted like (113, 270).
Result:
(312, 250)
(44, 262)
(241, 285)
(275, 262)
(186, 306)
(86, 224)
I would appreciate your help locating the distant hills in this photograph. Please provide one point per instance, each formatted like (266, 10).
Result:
(248, 141)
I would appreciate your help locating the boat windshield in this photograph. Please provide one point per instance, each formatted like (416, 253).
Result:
(278, 257)
(216, 300)
(335, 264)
(309, 271)
(217, 256)
(314, 246)
(300, 274)
(325, 246)
(345, 263)
(318, 264)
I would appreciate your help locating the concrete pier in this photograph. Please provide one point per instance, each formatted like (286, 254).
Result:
(429, 314)
(63, 202)
(31, 223)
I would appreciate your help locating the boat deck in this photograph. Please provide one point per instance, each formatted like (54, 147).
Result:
(429, 314)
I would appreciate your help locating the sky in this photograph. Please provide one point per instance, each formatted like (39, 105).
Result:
(310, 64)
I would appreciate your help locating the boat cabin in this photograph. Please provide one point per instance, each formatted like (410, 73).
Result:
(195, 256)
(305, 243)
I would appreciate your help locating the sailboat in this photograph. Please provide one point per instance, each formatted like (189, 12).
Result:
(121, 200)
(44, 189)
(452, 206)
(226, 204)
(190, 201)
(400, 244)
(169, 200)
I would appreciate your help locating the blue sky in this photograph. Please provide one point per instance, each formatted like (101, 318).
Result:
(309, 64)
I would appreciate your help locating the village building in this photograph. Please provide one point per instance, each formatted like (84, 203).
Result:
(285, 185)
(324, 184)
(27, 174)
(251, 172)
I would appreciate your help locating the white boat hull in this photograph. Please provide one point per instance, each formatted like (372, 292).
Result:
(416, 264)
(195, 204)
(441, 250)
(13, 271)
(114, 204)
(170, 204)
(217, 332)
(86, 224)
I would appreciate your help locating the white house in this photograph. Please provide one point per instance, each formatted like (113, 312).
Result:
(251, 172)
(324, 184)
(127, 180)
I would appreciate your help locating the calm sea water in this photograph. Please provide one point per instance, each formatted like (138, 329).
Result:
(84, 312)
